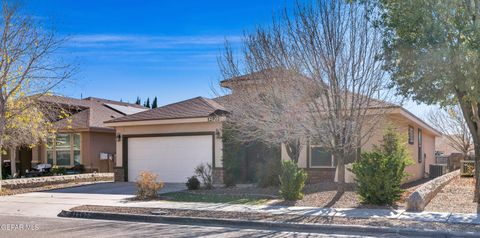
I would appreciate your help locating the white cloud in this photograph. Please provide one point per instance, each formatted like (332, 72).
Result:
(146, 41)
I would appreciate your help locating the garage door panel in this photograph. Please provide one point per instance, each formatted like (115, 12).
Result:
(172, 158)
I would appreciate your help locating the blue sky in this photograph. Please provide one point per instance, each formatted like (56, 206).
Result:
(167, 49)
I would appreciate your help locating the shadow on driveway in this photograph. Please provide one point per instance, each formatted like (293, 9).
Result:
(116, 188)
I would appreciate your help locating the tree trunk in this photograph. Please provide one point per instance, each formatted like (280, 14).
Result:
(477, 173)
(341, 172)
(293, 150)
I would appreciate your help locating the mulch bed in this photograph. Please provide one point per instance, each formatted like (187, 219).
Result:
(8, 191)
(457, 196)
(257, 216)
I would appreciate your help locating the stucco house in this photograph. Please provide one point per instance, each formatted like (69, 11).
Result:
(172, 140)
(80, 137)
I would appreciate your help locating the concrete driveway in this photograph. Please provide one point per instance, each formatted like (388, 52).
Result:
(50, 203)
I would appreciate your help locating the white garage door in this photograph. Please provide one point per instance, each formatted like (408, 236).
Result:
(173, 158)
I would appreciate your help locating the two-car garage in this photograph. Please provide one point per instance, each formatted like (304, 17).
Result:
(172, 157)
(170, 141)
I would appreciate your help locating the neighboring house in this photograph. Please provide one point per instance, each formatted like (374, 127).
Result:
(80, 138)
(443, 146)
(172, 140)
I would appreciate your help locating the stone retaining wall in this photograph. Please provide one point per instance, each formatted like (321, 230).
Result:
(50, 180)
(418, 200)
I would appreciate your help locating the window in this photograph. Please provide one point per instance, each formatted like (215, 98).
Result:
(420, 149)
(411, 136)
(64, 149)
(319, 157)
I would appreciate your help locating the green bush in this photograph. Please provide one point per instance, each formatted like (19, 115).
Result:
(193, 183)
(58, 170)
(292, 180)
(380, 173)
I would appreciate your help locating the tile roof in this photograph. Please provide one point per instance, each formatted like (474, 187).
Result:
(191, 108)
(85, 113)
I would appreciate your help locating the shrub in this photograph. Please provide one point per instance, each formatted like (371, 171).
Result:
(193, 183)
(292, 180)
(380, 173)
(58, 170)
(147, 185)
(204, 171)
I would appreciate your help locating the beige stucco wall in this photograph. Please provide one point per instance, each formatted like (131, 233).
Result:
(172, 128)
(401, 122)
(98, 142)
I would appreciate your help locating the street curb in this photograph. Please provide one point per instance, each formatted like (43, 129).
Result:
(287, 226)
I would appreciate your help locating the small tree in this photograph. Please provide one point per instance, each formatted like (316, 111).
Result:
(380, 173)
(29, 71)
(147, 103)
(292, 181)
(154, 103)
(138, 101)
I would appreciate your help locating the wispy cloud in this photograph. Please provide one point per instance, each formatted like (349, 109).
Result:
(146, 41)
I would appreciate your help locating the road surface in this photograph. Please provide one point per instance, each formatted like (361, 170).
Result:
(67, 227)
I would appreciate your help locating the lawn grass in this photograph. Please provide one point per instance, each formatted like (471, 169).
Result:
(213, 198)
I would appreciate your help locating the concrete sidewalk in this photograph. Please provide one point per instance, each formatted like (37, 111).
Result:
(457, 218)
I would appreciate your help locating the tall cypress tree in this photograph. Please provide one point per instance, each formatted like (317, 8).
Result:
(154, 103)
(147, 103)
(138, 102)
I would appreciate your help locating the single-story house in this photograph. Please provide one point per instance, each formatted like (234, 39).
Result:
(172, 140)
(81, 135)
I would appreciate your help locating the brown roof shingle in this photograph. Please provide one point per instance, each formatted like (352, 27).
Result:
(191, 108)
(85, 113)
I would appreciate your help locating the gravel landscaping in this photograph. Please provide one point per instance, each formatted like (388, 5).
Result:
(316, 195)
(457, 196)
(7, 191)
(286, 218)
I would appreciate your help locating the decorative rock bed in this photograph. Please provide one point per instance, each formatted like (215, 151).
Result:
(51, 180)
(418, 200)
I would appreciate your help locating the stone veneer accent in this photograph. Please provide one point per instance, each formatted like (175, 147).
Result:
(119, 174)
(217, 175)
(318, 175)
(50, 180)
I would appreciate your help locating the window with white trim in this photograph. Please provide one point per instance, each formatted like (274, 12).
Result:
(320, 158)
(64, 149)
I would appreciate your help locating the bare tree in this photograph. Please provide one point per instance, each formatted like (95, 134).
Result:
(451, 123)
(262, 110)
(28, 70)
(335, 52)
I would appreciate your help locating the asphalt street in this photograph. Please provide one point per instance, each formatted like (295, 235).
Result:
(21, 226)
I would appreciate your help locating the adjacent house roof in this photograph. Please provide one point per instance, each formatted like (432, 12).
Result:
(89, 113)
(191, 108)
